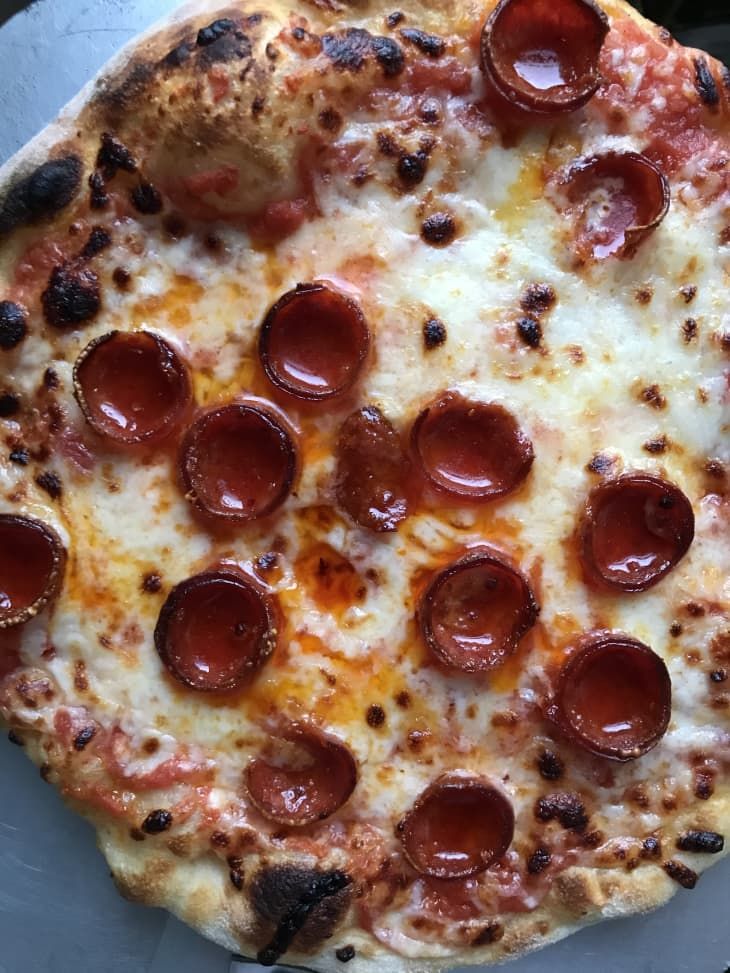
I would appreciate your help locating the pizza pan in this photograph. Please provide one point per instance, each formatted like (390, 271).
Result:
(59, 912)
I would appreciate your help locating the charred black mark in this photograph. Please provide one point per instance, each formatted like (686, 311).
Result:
(13, 325)
(439, 229)
(84, 737)
(330, 120)
(412, 167)
(434, 333)
(550, 766)
(345, 953)
(538, 860)
(9, 405)
(538, 298)
(530, 332)
(375, 716)
(213, 32)
(146, 199)
(681, 874)
(347, 50)
(688, 292)
(690, 329)
(151, 583)
(156, 822)
(222, 41)
(564, 806)
(302, 903)
(651, 847)
(42, 194)
(491, 933)
(113, 156)
(51, 380)
(51, 483)
(99, 239)
(389, 56)
(178, 55)
(72, 296)
(428, 44)
(21, 456)
(705, 83)
(121, 99)
(98, 198)
(397, 17)
(122, 278)
(703, 842)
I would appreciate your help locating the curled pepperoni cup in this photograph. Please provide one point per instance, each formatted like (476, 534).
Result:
(542, 55)
(634, 530)
(471, 450)
(614, 697)
(238, 462)
(215, 631)
(459, 826)
(132, 387)
(475, 611)
(313, 342)
(308, 783)
(621, 197)
(32, 560)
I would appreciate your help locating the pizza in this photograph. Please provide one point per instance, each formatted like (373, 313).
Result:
(364, 562)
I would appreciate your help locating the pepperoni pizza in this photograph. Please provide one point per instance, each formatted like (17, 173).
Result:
(363, 487)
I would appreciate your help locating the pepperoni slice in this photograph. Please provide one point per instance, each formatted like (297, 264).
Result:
(32, 561)
(542, 55)
(132, 387)
(238, 462)
(459, 826)
(620, 198)
(475, 611)
(614, 696)
(314, 777)
(314, 342)
(372, 469)
(471, 450)
(635, 529)
(215, 631)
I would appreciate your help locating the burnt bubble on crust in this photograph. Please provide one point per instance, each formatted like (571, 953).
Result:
(434, 333)
(41, 194)
(146, 199)
(349, 50)
(705, 83)
(681, 874)
(702, 842)
(72, 297)
(564, 806)
(301, 904)
(13, 325)
(428, 44)
(113, 156)
(157, 821)
(438, 229)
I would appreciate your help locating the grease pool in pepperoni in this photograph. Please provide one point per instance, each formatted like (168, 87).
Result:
(459, 826)
(238, 462)
(541, 56)
(617, 200)
(614, 696)
(372, 470)
(471, 450)
(634, 530)
(311, 780)
(215, 631)
(475, 611)
(32, 561)
(313, 342)
(132, 387)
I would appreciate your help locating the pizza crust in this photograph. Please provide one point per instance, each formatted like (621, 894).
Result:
(128, 93)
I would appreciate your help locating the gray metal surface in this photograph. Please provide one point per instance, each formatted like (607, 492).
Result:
(59, 912)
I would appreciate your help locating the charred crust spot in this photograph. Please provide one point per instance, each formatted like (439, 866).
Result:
(345, 953)
(651, 847)
(136, 835)
(230, 45)
(122, 278)
(428, 44)
(403, 699)
(301, 904)
(675, 629)
(397, 17)
(688, 292)
(349, 49)
(14, 738)
(51, 380)
(690, 330)
(72, 296)
(701, 842)
(219, 839)
(538, 860)
(563, 806)
(680, 873)
(643, 295)
(434, 333)
(704, 785)
(13, 325)
(389, 56)
(438, 229)
(84, 737)
(41, 194)
(430, 111)
(113, 156)
(213, 32)
(658, 445)
(491, 933)
(51, 483)
(151, 583)
(9, 405)
(21, 456)
(530, 332)
(178, 55)
(718, 675)
(330, 120)
(121, 99)
(157, 821)
(271, 52)
(267, 562)
(99, 198)
(653, 397)
(99, 239)
(375, 716)
(146, 199)
(705, 83)
(694, 609)
(236, 878)
(550, 766)
(538, 298)
(386, 144)
(412, 168)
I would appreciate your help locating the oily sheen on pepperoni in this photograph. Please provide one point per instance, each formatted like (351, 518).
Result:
(617, 200)
(215, 631)
(132, 387)
(541, 56)
(459, 826)
(372, 470)
(238, 462)
(32, 561)
(471, 450)
(614, 696)
(634, 530)
(475, 611)
(309, 781)
(314, 342)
